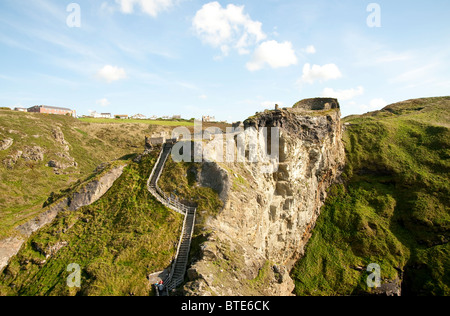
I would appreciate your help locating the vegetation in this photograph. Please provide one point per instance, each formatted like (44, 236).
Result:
(394, 209)
(181, 181)
(26, 185)
(171, 123)
(117, 241)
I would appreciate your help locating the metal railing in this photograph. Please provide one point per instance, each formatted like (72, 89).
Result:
(175, 205)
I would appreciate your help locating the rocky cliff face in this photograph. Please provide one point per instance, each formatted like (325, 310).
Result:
(268, 217)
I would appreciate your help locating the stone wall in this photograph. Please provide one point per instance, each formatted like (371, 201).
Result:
(317, 104)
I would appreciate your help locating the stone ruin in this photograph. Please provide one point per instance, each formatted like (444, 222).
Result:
(317, 104)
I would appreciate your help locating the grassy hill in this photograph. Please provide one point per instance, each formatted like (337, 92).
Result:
(173, 123)
(26, 181)
(393, 210)
(117, 241)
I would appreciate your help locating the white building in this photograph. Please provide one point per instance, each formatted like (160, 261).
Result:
(208, 119)
(139, 117)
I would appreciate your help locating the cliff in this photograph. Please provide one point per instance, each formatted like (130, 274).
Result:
(392, 208)
(267, 219)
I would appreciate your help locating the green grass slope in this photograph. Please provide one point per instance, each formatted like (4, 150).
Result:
(26, 185)
(116, 241)
(393, 210)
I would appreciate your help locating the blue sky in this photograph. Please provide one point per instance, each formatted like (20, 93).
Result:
(224, 58)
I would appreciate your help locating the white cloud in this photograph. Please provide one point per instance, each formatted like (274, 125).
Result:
(274, 54)
(203, 97)
(111, 73)
(310, 49)
(150, 7)
(343, 95)
(322, 73)
(103, 102)
(227, 28)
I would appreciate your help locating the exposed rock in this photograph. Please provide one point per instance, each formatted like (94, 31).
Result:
(34, 153)
(94, 189)
(43, 219)
(60, 165)
(12, 159)
(269, 217)
(59, 137)
(66, 160)
(6, 143)
(50, 250)
(9, 247)
(391, 288)
(87, 195)
(216, 178)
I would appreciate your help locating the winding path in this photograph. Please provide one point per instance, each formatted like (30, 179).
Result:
(176, 276)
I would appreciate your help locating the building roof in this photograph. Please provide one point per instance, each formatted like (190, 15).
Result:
(51, 107)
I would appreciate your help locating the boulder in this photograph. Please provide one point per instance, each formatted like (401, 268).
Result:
(6, 143)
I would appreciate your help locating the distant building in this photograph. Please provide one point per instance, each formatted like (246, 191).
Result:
(20, 109)
(176, 117)
(166, 118)
(94, 114)
(106, 115)
(51, 110)
(208, 118)
(139, 117)
(122, 117)
(153, 118)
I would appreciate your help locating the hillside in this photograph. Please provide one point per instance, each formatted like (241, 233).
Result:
(390, 206)
(117, 241)
(393, 208)
(41, 154)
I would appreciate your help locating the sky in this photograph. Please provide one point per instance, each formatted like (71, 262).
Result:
(228, 59)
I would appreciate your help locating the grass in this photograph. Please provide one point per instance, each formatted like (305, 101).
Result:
(180, 180)
(394, 208)
(133, 121)
(26, 186)
(117, 242)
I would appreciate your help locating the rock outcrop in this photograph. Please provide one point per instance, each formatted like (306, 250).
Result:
(86, 195)
(28, 153)
(64, 159)
(268, 218)
(6, 143)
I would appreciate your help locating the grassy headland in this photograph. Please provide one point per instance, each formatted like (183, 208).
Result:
(394, 209)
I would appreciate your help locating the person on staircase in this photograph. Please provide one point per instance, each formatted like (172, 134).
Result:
(161, 286)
